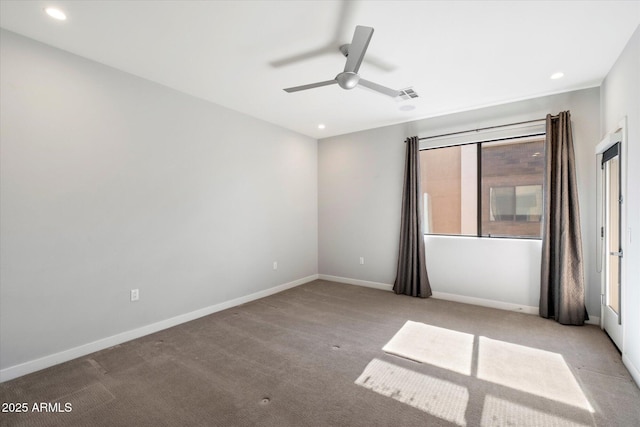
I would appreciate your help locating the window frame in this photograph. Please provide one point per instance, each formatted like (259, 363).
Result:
(478, 143)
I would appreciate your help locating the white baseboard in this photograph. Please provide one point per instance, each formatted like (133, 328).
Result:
(635, 373)
(82, 350)
(501, 305)
(365, 283)
(438, 295)
(593, 320)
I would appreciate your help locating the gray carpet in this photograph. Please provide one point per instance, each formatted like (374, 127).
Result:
(312, 356)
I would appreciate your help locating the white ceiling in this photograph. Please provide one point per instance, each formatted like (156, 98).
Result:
(457, 55)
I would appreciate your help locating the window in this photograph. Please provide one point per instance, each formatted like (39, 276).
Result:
(490, 188)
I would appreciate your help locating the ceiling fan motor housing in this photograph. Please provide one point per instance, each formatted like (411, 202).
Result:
(348, 79)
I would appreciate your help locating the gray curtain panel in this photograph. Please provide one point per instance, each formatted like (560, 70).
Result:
(562, 276)
(411, 277)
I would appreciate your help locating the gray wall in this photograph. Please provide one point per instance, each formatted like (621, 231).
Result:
(620, 94)
(360, 186)
(359, 194)
(110, 182)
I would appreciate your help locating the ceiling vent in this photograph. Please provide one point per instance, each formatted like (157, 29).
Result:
(408, 93)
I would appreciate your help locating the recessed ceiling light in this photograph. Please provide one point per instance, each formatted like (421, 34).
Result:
(56, 13)
(321, 126)
(557, 75)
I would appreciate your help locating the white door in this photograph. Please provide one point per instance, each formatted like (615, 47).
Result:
(613, 256)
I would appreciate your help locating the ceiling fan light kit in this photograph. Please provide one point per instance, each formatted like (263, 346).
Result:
(349, 78)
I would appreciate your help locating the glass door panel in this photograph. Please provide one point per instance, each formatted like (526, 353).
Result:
(613, 223)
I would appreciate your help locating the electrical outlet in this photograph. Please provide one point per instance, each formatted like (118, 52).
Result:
(275, 265)
(135, 294)
(361, 260)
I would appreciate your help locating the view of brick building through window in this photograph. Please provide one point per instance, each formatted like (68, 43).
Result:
(511, 181)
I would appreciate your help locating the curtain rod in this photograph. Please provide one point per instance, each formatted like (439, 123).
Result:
(480, 129)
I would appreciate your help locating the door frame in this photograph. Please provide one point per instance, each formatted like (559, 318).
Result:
(618, 135)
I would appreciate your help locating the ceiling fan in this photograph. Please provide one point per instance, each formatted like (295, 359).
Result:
(336, 44)
(349, 78)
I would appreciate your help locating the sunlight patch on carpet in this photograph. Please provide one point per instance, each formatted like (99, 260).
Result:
(499, 412)
(436, 346)
(538, 372)
(434, 396)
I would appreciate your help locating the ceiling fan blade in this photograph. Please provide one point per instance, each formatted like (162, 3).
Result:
(358, 47)
(345, 16)
(303, 56)
(379, 63)
(379, 88)
(311, 86)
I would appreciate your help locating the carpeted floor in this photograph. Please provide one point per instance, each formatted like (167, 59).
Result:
(312, 356)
